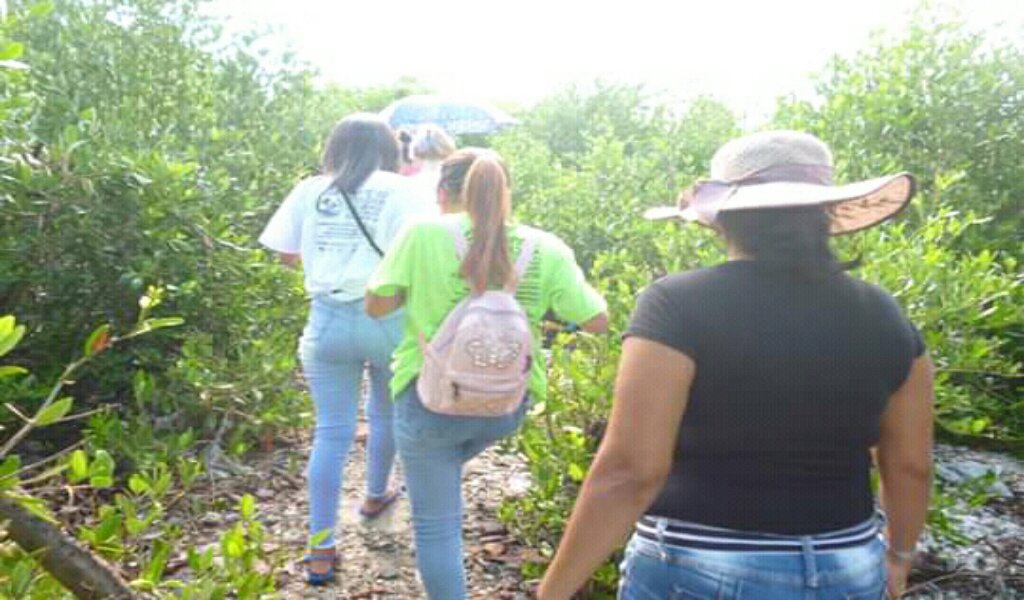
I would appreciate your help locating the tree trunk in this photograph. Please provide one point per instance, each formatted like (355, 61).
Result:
(80, 571)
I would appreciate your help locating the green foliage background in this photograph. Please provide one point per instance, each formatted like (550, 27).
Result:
(139, 147)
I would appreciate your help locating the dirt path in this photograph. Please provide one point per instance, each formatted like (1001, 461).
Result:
(379, 561)
(378, 556)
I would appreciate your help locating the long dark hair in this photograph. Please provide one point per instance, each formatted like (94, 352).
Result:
(488, 201)
(794, 239)
(359, 145)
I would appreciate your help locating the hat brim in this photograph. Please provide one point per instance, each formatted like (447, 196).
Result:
(853, 206)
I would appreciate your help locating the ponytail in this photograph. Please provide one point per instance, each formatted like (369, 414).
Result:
(488, 201)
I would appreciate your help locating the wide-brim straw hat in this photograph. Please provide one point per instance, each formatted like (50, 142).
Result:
(787, 169)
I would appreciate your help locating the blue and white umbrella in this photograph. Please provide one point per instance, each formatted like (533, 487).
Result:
(454, 116)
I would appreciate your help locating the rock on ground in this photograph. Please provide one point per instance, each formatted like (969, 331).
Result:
(991, 564)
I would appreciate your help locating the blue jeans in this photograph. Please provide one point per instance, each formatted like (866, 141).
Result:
(433, 448)
(656, 571)
(339, 343)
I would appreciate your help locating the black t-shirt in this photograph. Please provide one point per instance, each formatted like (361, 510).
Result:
(792, 377)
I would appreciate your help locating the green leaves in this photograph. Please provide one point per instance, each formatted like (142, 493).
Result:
(10, 334)
(247, 507)
(53, 413)
(11, 371)
(40, 9)
(101, 470)
(233, 542)
(158, 562)
(36, 506)
(83, 186)
(154, 324)
(98, 340)
(8, 468)
(200, 561)
(319, 538)
(21, 577)
(11, 50)
(110, 524)
(138, 484)
(941, 102)
(142, 386)
(78, 466)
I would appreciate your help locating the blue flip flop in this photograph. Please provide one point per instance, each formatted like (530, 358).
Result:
(320, 579)
(384, 504)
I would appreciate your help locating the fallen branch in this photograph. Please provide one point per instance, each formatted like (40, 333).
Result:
(1001, 553)
(77, 569)
(958, 575)
(291, 479)
(371, 593)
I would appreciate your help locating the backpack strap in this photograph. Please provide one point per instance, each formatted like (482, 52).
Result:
(522, 263)
(461, 244)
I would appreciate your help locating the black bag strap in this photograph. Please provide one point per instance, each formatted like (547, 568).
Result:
(359, 222)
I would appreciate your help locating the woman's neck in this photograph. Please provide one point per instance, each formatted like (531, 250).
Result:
(430, 166)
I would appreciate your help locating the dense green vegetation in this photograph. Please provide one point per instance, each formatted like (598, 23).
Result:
(140, 155)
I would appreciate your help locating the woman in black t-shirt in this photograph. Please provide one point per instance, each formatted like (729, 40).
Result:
(746, 470)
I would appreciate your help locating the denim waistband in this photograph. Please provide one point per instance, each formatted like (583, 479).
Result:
(331, 303)
(686, 534)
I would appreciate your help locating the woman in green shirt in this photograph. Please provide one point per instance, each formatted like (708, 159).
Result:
(422, 271)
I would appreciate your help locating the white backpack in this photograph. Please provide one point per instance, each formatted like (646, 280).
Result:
(478, 363)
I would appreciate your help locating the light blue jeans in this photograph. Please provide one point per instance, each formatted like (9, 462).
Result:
(655, 571)
(433, 448)
(339, 343)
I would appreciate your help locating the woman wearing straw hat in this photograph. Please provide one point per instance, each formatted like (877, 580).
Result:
(747, 471)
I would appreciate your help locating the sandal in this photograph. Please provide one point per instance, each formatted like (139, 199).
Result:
(385, 502)
(320, 579)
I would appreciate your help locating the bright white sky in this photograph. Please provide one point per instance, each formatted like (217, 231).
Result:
(744, 52)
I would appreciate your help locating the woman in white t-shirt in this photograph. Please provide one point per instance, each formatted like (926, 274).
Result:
(338, 224)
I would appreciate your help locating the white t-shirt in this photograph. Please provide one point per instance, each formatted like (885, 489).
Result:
(337, 260)
(426, 180)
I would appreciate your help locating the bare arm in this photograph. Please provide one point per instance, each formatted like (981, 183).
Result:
(381, 306)
(598, 324)
(631, 465)
(905, 465)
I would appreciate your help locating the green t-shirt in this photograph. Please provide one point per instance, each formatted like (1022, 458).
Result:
(422, 262)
